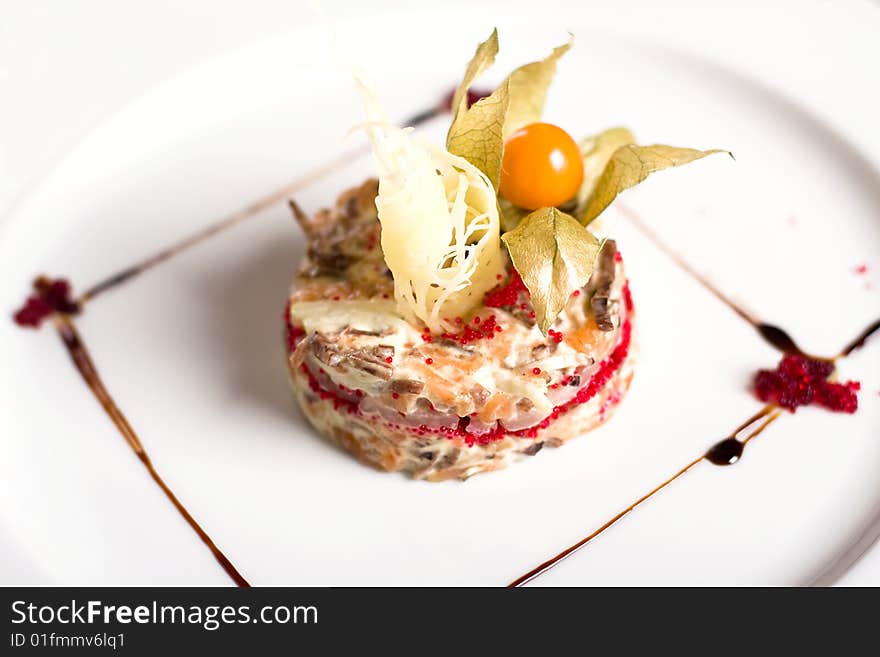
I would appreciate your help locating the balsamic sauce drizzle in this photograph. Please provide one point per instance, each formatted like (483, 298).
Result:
(277, 196)
(771, 334)
(860, 340)
(683, 264)
(86, 367)
(724, 452)
(779, 338)
(219, 226)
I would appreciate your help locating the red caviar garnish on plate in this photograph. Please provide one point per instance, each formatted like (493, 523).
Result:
(800, 381)
(50, 296)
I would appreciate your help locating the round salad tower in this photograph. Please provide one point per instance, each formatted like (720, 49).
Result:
(457, 313)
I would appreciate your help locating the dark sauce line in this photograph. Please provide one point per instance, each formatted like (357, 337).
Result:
(860, 340)
(771, 334)
(726, 452)
(219, 226)
(683, 264)
(779, 338)
(86, 367)
(235, 218)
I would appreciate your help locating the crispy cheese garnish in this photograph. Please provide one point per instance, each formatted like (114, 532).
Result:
(440, 224)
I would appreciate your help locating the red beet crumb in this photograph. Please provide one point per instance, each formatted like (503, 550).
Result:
(49, 296)
(799, 381)
(862, 269)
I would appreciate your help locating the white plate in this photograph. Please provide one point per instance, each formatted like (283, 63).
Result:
(193, 355)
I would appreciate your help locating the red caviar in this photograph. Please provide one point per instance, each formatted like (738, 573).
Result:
(507, 294)
(800, 381)
(294, 332)
(49, 296)
(482, 328)
(606, 370)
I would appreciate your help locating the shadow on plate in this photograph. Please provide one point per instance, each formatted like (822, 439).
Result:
(246, 326)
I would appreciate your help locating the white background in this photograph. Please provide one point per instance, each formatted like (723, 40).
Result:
(66, 66)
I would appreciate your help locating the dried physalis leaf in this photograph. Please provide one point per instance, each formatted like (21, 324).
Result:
(554, 255)
(477, 134)
(630, 165)
(482, 59)
(596, 151)
(528, 87)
